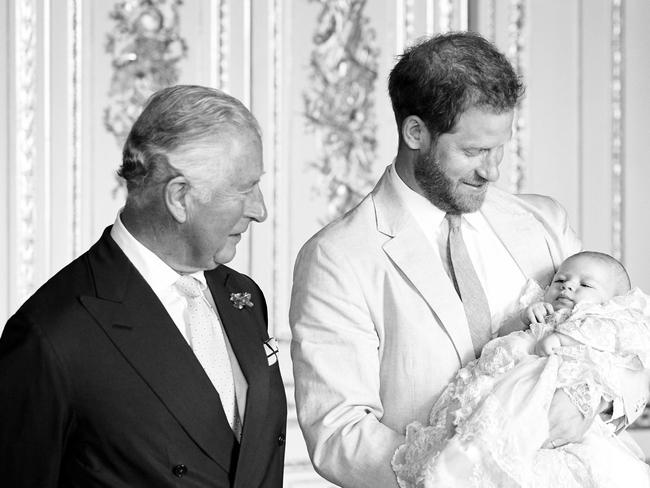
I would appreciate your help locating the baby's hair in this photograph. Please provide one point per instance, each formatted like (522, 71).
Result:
(619, 273)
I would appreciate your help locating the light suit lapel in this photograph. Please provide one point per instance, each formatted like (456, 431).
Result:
(411, 252)
(522, 235)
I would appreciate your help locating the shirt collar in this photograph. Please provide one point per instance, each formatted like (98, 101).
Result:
(158, 274)
(425, 213)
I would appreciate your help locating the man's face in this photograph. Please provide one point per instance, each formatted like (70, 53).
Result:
(454, 173)
(580, 279)
(214, 227)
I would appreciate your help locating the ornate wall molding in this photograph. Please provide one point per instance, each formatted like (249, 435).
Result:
(516, 48)
(219, 35)
(145, 47)
(404, 24)
(281, 246)
(446, 10)
(491, 24)
(339, 106)
(409, 21)
(431, 18)
(618, 133)
(25, 144)
(74, 111)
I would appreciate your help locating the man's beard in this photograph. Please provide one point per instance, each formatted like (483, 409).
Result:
(442, 191)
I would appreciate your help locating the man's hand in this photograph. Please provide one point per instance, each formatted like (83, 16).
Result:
(566, 423)
(536, 312)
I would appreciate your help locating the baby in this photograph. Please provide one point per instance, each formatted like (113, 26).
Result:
(586, 277)
(590, 336)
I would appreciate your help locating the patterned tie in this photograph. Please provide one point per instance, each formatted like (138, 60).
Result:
(468, 286)
(209, 346)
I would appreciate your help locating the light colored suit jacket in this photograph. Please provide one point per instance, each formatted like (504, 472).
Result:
(378, 329)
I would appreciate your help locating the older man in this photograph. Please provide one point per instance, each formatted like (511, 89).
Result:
(146, 361)
(391, 300)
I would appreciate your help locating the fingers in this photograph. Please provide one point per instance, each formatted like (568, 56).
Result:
(530, 316)
(536, 313)
(549, 308)
(554, 443)
(540, 313)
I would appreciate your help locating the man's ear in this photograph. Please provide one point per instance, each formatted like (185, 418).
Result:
(175, 195)
(414, 132)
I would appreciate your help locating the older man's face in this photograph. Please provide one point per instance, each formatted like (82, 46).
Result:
(214, 227)
(455, 173)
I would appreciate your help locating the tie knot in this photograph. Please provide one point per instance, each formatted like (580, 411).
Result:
(454, 220)
(189, 286)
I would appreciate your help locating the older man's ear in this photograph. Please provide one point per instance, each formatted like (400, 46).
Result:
(175, 196)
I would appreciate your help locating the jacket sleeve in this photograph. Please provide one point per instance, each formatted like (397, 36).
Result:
(335, 352)
(35, 413)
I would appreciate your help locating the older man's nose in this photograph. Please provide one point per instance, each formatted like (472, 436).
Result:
(256, 208)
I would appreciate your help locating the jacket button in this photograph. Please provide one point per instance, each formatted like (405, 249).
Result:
(281, 440)
(179, 470)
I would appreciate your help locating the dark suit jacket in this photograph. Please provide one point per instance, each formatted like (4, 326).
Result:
(99, 388)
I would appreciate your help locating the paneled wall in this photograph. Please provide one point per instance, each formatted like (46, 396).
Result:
(314, 73)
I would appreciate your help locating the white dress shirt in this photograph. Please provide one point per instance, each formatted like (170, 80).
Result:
(501, 278)
(161, 278)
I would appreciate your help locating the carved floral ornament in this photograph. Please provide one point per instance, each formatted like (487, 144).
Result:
(145, 47)
(338, 105)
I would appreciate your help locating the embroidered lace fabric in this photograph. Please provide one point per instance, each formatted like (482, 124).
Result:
(487, 427)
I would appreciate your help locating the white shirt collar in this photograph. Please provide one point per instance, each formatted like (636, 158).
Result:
(158, 274)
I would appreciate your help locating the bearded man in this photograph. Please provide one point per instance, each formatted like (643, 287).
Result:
(391, 300)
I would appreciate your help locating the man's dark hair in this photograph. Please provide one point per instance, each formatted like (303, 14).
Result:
(440, 77)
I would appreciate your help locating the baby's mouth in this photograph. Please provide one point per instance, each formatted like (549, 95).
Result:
(565, 300)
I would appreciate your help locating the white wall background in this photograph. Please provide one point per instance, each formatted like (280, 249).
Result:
(583, 135)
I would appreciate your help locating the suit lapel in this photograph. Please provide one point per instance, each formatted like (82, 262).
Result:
(522, 235)
(243, 330)
(414, 256)
(133, 318)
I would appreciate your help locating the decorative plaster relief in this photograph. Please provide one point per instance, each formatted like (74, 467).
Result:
(220, 18)
(25, 144)
(339, 105)
(516, 48)
(145, 46)
(617, 136)
(74, 108)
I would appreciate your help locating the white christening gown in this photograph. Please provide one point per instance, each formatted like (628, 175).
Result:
(488, 426)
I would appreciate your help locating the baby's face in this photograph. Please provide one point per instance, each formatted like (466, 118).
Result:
(580, 279)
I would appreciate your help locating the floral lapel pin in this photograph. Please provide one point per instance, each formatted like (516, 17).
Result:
(241, 300)
(271, 349)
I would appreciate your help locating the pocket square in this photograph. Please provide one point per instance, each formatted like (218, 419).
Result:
(271, 350)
